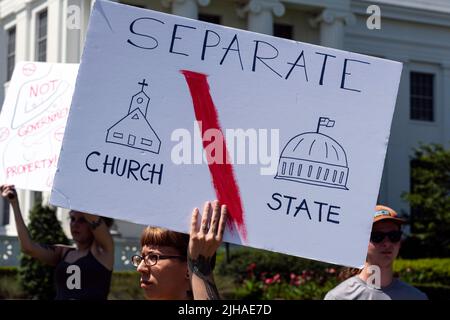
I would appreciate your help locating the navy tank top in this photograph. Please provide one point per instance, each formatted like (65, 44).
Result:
(94, 281)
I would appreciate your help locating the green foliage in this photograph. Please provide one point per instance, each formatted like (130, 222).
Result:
(261, 274)
(430, 203)
(9, 284)
(266, 261)
(298, 288)
(8, 272)
(424, 271)
(36, 278)
(125, 286)
(429, 275)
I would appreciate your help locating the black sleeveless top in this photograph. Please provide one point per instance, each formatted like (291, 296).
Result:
(93, 284)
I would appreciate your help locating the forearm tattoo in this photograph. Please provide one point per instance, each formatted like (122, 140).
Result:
(48, 246)
(202, 268)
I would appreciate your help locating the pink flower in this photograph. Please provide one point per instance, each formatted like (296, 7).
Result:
(268, 281)
(295, 280)
(251, 267)
(330, 270)
(277, 278)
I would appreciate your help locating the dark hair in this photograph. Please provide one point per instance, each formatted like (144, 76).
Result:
(108, 221)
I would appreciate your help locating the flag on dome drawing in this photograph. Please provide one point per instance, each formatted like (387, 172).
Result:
(314, 158)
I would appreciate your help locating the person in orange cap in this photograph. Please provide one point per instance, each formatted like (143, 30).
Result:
(376, 279)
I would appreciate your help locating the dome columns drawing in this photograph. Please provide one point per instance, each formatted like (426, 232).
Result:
(314, 158)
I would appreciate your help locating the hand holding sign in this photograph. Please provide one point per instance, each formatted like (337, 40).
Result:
(207, 237)
(9, 191)
(204, 241)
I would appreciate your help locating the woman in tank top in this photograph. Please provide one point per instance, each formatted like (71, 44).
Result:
(82, 272)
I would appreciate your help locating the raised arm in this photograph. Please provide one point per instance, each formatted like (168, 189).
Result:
(203, 244)
(104, 243)
(48, 254)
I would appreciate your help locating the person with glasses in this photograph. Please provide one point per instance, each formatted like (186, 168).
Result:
(376, 280)
(92, 259)
(177, 266)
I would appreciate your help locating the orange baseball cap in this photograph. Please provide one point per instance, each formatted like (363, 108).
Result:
(385, 213)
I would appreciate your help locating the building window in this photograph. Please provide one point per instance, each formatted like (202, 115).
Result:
(4, 214)
(41, 36)
(422, 96)
(210, 18)
(283, 31)
(11, 55)
(37, 196)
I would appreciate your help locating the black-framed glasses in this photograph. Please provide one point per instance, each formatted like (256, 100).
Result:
(152, 259)
(378, 236)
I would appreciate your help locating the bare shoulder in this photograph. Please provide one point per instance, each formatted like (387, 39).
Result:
(105, 257)
(61, 249)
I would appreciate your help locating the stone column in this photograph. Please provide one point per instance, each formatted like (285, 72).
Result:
(185, 8)
(75, 21)
(260, 15)
(332, 24)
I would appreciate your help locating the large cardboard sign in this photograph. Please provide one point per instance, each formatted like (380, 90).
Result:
(32, 123)
(306, 131)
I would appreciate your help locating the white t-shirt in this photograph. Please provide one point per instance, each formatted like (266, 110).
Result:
(355, 288)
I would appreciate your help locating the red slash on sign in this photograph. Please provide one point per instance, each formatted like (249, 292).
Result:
(227, 189)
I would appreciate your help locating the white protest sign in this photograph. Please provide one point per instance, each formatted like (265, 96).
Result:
(32, 123)
(306, 132)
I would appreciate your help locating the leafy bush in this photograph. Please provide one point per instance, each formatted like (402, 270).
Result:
(268, 262)
(305, 286)
(9, 284)
(124, 285)
(260, 274)
(430, 203)
(424, 271)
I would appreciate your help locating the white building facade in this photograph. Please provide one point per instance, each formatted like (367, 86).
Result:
(414, 32)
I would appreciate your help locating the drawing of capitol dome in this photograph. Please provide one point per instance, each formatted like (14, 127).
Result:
(314, 158)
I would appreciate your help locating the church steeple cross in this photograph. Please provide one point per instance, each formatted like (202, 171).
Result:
(143, 84)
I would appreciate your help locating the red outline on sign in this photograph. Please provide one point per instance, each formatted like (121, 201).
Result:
(225, 185)
(4, 133)
(28, 69)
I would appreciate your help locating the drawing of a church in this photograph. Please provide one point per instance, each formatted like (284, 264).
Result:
(134, 130)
